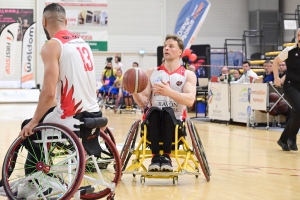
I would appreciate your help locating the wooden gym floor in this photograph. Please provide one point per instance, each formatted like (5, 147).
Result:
(246, 163)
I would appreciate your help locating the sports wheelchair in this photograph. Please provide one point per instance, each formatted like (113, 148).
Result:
(187, 158)
(63, 169)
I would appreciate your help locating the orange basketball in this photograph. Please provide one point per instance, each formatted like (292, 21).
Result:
(273, 97)
(275, 110)
(135, 80)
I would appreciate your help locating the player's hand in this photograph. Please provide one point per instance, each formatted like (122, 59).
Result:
(27, 130)
(277, 82)
(161, 88)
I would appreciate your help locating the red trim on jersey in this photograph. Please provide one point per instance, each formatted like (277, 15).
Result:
(65, 36)
(180, 70)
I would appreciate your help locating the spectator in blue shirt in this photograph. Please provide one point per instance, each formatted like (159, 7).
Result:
(270, 76)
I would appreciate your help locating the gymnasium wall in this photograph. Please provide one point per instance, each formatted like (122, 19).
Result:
(142, 25)
(289, 7)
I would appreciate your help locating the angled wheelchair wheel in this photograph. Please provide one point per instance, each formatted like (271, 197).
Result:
(48, 165)
(199, 149)
(102, 174)
(111, 136)
(129, 144)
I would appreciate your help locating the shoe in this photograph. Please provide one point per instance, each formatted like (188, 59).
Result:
(155, 164)
(166, 163)
(284, 147)
(292, 145)
(49, 186)
(123, 106)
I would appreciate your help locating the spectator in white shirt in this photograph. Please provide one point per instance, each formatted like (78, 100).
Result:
(247, 74)
(118, 62)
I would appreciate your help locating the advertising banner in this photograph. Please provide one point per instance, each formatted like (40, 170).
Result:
(8, 40)
(258, 96)
(240, 102)
(87, 17)
(218, 101)
(96, 39)
(19, 95)
(28, 54)
(102, 3)
(22, 16)
(191, 19)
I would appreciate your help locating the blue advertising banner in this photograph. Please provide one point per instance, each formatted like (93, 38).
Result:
(190, 20)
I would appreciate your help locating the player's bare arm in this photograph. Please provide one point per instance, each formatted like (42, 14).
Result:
(187, 97)
(143, 98)
(50, 54)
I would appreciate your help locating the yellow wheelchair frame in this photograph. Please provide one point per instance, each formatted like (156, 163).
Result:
(188, 159)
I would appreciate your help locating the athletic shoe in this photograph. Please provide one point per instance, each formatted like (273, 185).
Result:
(48, 187)
(155, 164)
(166, 163)
(284, 146)
(292, 145)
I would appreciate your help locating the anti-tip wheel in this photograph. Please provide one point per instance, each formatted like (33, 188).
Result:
(175, 180)
(142, 180)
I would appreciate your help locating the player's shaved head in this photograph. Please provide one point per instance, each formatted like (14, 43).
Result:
(54, 13)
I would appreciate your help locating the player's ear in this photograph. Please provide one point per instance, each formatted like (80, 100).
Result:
(66, 22)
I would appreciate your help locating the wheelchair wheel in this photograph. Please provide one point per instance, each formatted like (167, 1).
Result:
(129, 144)
(199, 149)
(53, 169)
(98, 184)
(111, 136)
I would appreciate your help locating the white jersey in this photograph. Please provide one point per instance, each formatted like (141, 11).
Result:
(76, 84)
(176, 80)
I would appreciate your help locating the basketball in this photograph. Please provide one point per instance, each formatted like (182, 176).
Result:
(273, 97)
(282, 106)
(275, 110)
(135, 80)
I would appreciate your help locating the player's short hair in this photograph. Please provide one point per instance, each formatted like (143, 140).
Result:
(176, 38)
(137, 64)
(118, 58)
(55, 13)
(247, 62)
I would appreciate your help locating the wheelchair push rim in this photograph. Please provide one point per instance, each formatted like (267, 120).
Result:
(199, 149)
(111, 172)
(129, 144)
(57, 173)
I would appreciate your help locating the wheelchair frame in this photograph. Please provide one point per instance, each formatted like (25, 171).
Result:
(72, 165)
(189, 166)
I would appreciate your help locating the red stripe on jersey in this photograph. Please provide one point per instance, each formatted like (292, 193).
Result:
(65, 36)
(180, 70)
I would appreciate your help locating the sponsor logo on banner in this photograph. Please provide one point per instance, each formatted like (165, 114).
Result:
(239, 102)
(218, 101)
(8, 40)
(96, 39)
(243, 95)
(258, 96)
(28, 55)
(19, 95)
(191, 19)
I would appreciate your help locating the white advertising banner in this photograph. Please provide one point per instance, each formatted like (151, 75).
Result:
(19, 95)
(258, 96)
(8, 40)
(28, 54)
(240, 102)
(102, 3)
(218, 101)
